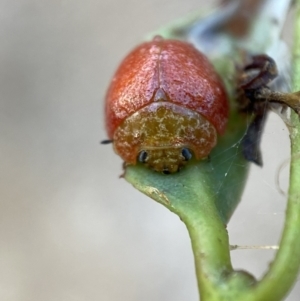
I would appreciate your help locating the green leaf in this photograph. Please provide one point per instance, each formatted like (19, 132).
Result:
(220, 178)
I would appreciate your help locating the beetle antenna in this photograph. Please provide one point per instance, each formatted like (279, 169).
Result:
(107, 141)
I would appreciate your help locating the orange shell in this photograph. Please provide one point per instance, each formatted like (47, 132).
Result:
(179, 69)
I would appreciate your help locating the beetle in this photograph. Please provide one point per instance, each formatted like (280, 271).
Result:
(165, 104)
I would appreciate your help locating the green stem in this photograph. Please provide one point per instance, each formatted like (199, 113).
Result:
(216, 279)
(210, 245)
(284, 270)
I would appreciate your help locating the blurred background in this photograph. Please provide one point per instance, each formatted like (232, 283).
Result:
(70, 229)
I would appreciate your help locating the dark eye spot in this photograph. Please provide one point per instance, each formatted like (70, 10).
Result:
(186, 153)
(166, 172)
(143, 155)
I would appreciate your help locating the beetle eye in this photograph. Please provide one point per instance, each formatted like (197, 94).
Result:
(186, 153)
(143, 155)
(166, 172)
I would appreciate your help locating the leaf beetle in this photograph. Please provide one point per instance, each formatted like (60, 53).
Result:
(165, 104)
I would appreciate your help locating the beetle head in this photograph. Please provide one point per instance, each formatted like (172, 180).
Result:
(165, 160)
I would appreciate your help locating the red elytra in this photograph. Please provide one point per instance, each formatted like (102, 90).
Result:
(165, 103)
